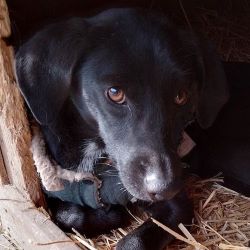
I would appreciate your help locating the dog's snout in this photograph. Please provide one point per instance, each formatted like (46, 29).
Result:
(154, 177)
(155, 186)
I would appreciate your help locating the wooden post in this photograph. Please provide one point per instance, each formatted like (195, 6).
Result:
(15, 136)
(19, 216)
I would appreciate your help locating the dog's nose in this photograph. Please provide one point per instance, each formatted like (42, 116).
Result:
(155, 186)
(159, 188)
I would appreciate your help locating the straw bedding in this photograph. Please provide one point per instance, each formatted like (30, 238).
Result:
(222, 221)
(225, 22)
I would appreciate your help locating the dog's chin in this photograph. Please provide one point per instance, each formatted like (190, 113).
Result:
(143, 195)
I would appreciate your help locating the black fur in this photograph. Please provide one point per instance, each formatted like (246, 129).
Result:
(64, 71)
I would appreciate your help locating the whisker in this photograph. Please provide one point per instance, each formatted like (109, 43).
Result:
(109, 175)
(103, 163)
(111, 171)
(122, 188)
(102, 157)
(131, 114)
(121, 193)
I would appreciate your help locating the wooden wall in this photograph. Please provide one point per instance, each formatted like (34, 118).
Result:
(20, 191)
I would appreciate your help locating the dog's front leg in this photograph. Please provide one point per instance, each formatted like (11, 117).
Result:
(87, 221)
(151, 237)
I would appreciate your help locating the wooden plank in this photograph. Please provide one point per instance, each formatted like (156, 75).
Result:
(6, 244)
(15, 136)
(4, 20)
(3, 174)
(31, 229)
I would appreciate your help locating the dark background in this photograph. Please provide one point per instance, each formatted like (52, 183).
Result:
(226, 22)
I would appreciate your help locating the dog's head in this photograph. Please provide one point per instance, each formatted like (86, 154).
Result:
(137, 78)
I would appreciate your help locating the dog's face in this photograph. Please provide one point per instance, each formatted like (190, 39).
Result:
(140, 81)
(141, 103)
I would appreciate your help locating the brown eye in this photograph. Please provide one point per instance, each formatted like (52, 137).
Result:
(116, 94)
(181, 97)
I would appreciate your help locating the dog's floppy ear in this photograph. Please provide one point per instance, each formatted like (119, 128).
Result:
(214, 92)
(44, 66)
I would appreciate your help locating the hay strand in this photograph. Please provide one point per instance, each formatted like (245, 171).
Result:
(178, 236)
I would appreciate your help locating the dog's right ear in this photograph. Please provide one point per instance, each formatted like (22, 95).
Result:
(214, 91)
(45, 63)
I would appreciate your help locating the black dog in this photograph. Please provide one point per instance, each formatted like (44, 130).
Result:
(124, 83)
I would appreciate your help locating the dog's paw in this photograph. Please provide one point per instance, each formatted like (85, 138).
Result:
(131, 242)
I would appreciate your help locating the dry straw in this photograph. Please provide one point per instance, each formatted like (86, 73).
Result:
(222, 221)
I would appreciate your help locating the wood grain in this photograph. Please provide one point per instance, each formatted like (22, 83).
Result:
(30, 228)
(15, 136)
(3, 174)
(4, 20)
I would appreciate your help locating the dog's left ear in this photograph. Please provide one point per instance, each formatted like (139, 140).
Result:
(213, 92)
(45, 66)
